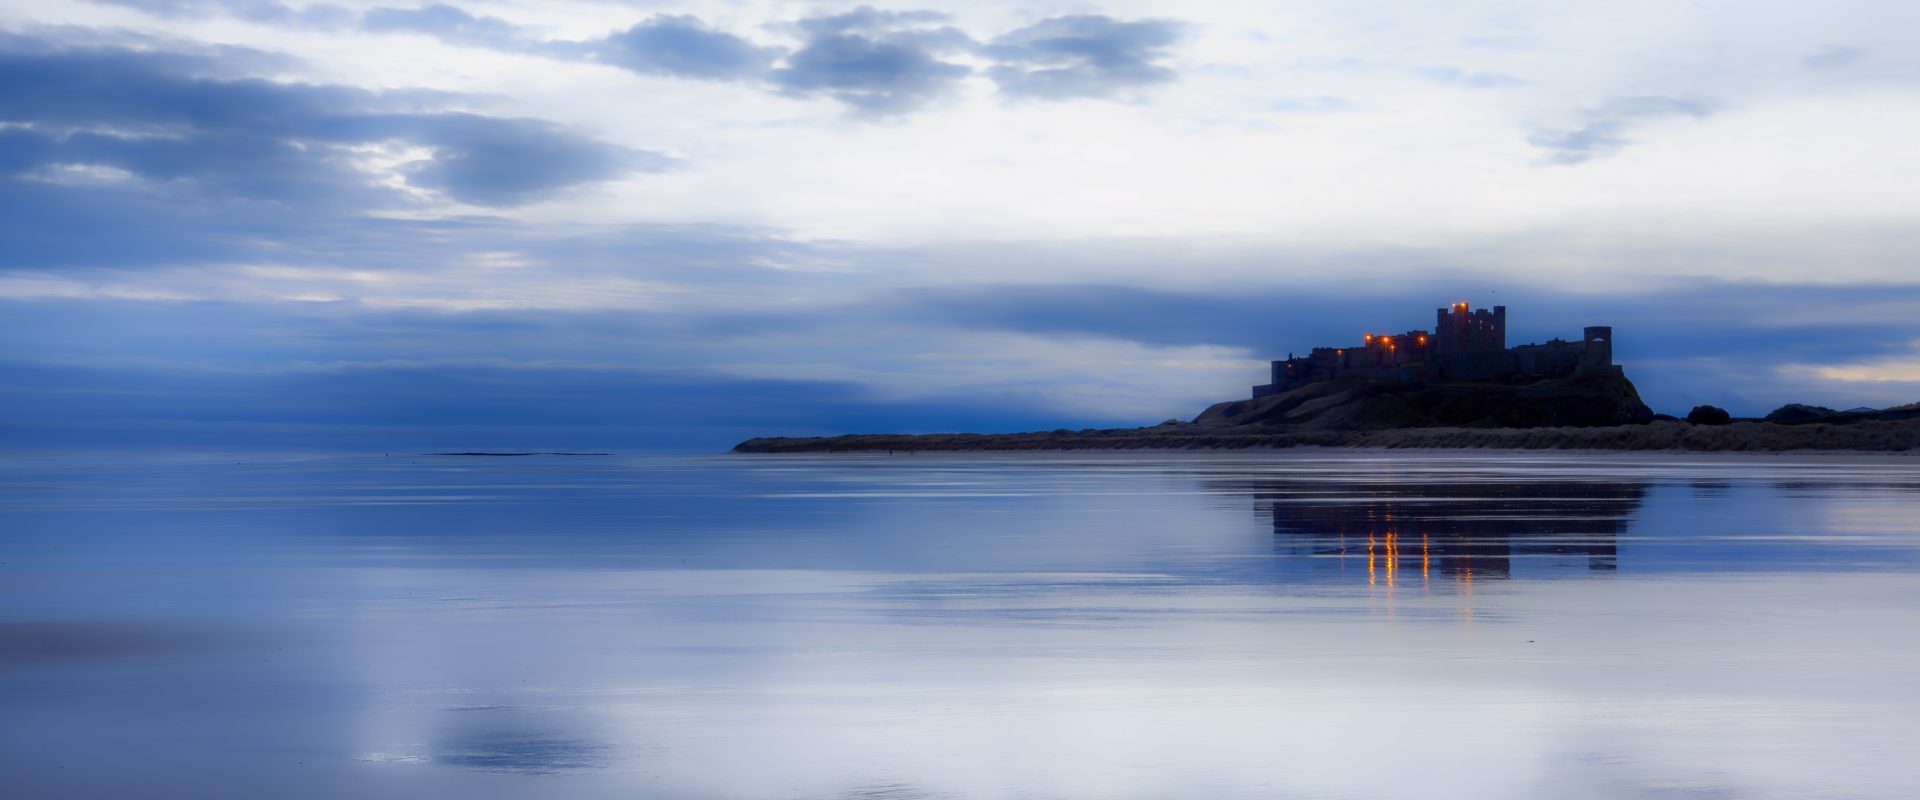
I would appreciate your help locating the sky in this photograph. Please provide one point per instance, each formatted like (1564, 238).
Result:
(239, 223)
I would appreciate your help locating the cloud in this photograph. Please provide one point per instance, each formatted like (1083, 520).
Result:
(1319, 104)
(685, 47)
(181, 56)
(1454, 76)
(869, 21)
(448, 24)
(1082, 56)
(316, 15)
(322, 16)
(169, 8)
(880, 62)
(680, 46)
(1605, 130)
(131, 156)
(160, 123)
(1499, 42)
(1888, 370)
(665, 44)
(492, 161)
(1833, 57)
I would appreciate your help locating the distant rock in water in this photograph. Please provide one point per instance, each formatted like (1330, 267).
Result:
(1798, 414)
(1896, 414)
(1581, 401)
(1792, 413)
(1709, 415)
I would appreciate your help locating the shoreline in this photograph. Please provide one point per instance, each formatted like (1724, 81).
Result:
(1896, 438)
(1317, 453)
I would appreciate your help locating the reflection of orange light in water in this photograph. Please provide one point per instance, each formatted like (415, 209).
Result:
(1466, 581)
(1393, 556)
(1426, 559)
(1370, 578)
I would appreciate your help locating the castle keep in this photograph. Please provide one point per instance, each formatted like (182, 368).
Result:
(1465, 345)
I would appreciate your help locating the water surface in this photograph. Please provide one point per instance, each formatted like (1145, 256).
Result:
(1315, 625)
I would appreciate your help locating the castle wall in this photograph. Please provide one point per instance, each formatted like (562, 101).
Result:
(1465, 345)
(1479, 365)
(1549, 359)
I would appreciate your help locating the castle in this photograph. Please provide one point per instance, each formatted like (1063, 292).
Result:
(1465, 345)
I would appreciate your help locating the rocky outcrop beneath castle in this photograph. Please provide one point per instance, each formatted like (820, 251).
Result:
(1580, 401)
(1573, 413)
(1739, 437)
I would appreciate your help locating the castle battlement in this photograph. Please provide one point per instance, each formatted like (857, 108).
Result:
(1465, 345)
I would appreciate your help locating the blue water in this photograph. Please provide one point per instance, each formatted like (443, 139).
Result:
(1315, 625)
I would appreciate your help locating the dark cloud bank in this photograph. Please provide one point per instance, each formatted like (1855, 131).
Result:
(1082, 56)
(461, 406)
(114, 155)
(891, 61)
(165, 119)
(682, 46)
(338, 376)
(876, 62)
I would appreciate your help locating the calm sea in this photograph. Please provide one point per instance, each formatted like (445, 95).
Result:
(1284, 625)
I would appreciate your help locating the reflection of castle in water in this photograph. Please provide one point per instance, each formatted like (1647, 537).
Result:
(1414, 533)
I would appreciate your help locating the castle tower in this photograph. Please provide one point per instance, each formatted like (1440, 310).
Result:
(1449, 336)
(1599, 341)
(1460, 329)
